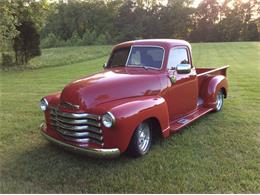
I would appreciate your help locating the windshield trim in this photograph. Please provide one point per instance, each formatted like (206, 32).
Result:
(145, 66)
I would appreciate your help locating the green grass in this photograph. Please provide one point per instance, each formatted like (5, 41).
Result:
(218, 153)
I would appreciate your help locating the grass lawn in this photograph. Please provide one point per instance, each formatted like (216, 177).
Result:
(218, 153)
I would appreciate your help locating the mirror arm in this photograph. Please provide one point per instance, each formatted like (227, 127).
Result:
(172, 76)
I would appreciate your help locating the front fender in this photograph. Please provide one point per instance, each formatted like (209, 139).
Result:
(129, 113)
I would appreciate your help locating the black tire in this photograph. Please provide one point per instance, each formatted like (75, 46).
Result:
(219, 101)
(141, 141)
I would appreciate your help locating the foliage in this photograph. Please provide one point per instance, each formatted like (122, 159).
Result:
(52, 41)
(7, 60)
(27, 43)
(20, 23)
(8, 22)
(217, 154)
(116, 21)
(88, 38)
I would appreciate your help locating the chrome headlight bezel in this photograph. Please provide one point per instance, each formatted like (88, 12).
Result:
(44, 104)
(108, 120)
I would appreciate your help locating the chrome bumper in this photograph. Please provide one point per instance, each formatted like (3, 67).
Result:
(95, 152)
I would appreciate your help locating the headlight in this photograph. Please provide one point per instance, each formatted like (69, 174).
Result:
(43, 104)
(108, 119)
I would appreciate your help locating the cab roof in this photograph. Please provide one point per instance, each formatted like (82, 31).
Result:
(165, 43)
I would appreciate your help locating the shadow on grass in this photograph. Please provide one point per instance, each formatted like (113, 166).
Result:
(50, 161)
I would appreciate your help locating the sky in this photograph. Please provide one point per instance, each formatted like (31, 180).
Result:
(196, 2)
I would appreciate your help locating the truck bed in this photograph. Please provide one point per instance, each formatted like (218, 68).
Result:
(212, 71)
(205, 74)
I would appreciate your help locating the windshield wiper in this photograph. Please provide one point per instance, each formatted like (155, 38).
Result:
(116, 65)
(142, 66)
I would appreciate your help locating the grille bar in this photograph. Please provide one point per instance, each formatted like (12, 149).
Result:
(80, 134)
(76, 115)
(77, 121)
(77, 127)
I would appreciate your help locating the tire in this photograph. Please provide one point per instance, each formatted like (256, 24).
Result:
(141, 140)
(220, 101)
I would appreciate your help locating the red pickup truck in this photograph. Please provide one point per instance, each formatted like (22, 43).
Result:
(147, 87)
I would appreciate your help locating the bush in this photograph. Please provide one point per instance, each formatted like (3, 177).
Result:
(101, 40)
(75, 40)
(52, 41)
(7, 60)
(89, 38)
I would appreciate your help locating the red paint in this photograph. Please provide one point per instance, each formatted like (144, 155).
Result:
(136, 94)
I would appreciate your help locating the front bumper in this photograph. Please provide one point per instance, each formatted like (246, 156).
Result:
(94, 152)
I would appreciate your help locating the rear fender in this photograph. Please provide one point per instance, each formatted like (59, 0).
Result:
(129, 113)
(214, 85)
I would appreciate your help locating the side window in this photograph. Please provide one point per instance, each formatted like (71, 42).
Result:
(177, 56)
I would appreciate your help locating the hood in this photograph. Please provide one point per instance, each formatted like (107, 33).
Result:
(110, 85)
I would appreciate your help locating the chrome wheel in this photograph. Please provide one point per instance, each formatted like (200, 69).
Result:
(219, 101)
(141, 141)
(143, 137)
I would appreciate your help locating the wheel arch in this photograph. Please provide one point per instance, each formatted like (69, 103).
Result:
(213, 85)
(155, 127)
(223, 89)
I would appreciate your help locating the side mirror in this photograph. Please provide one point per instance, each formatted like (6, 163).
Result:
(183, 68)
(105, 65)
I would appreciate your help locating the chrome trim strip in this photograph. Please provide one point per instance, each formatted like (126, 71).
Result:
(95, 152)
(77, 128)
(82, 140)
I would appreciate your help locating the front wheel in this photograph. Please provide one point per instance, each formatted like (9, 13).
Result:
(141, 141)
(219, 101)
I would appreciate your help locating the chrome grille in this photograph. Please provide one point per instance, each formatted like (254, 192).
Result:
(77, 127)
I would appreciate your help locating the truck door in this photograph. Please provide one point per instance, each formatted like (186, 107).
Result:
(183, 93)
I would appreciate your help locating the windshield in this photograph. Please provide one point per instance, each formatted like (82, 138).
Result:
(140, 56)
(146, 56)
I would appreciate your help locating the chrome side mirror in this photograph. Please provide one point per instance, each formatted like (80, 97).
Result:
(183, 68)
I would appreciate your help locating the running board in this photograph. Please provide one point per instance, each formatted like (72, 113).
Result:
(184, 121)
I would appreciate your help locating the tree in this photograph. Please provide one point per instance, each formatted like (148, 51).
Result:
(252, 33)
(175, 19)
(206, 18)
(107, 21)
(31, 16)
(27, 43)
(8, 22)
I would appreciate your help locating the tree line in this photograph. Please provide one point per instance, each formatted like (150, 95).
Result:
(105, 22)
(29, 23)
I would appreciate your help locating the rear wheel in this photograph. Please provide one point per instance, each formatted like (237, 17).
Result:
(141, 141)
(219, 101)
